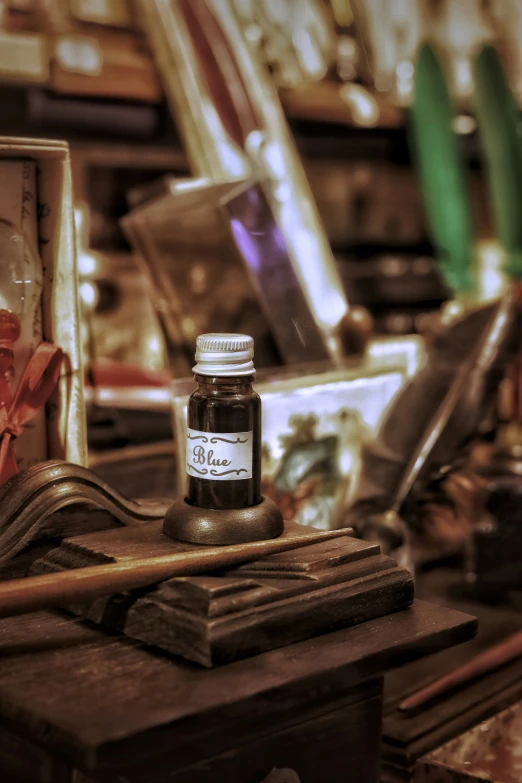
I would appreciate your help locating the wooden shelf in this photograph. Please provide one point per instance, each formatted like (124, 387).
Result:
(324, 102)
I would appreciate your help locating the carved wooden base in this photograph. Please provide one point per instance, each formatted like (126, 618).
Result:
(260, 606)
(219, 527)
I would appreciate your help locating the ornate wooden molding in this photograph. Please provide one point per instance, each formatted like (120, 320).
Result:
(29, 500)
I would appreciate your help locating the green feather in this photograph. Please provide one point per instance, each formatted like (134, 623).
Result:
(441, 172)
(497, 118)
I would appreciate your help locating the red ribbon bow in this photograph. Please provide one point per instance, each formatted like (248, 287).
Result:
(38, 382)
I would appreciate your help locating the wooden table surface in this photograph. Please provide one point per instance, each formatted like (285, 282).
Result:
(98, 700)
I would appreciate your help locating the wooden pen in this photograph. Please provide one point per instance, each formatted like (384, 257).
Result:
(31, 594)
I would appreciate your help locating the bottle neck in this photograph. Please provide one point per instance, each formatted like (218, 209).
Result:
(208, 383)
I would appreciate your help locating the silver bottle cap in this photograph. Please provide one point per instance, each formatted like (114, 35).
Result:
(224, 355)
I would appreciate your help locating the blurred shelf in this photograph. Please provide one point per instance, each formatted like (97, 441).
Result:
(128, 155)
(343, 104)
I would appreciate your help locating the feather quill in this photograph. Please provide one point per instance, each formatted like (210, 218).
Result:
(441, 172)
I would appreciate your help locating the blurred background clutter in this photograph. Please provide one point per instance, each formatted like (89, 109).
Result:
(342, 181)
(324, 175)
(86, 71)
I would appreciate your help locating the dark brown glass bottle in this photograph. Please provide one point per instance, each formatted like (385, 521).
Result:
(224, 426)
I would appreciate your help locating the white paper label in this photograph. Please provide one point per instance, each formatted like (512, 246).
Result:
(219, 456)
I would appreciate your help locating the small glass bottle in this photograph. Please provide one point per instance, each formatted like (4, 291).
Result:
(224, 425)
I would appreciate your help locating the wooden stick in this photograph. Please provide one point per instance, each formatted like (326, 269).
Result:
(22, 596)
(500, 654)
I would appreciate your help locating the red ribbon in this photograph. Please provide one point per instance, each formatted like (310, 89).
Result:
(38, 382)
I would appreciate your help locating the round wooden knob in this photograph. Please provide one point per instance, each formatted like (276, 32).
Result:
(10, 330)
(355, 329)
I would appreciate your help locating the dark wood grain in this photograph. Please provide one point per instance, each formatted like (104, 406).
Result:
(53, 590)
(31, 498)
(101, 701)
(22, 761)
(342, 745)
(72, 521)
(481, 665)
(221, 617)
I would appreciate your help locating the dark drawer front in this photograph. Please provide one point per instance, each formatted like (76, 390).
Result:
(338, 747)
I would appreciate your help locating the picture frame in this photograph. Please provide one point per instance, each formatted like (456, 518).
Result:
(236, 129)
(65, 436)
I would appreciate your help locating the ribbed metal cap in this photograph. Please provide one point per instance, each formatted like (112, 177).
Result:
(224, 355)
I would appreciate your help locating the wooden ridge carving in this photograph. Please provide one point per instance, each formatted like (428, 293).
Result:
(259, 606)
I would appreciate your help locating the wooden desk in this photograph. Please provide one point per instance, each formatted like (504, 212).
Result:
(79, 705)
